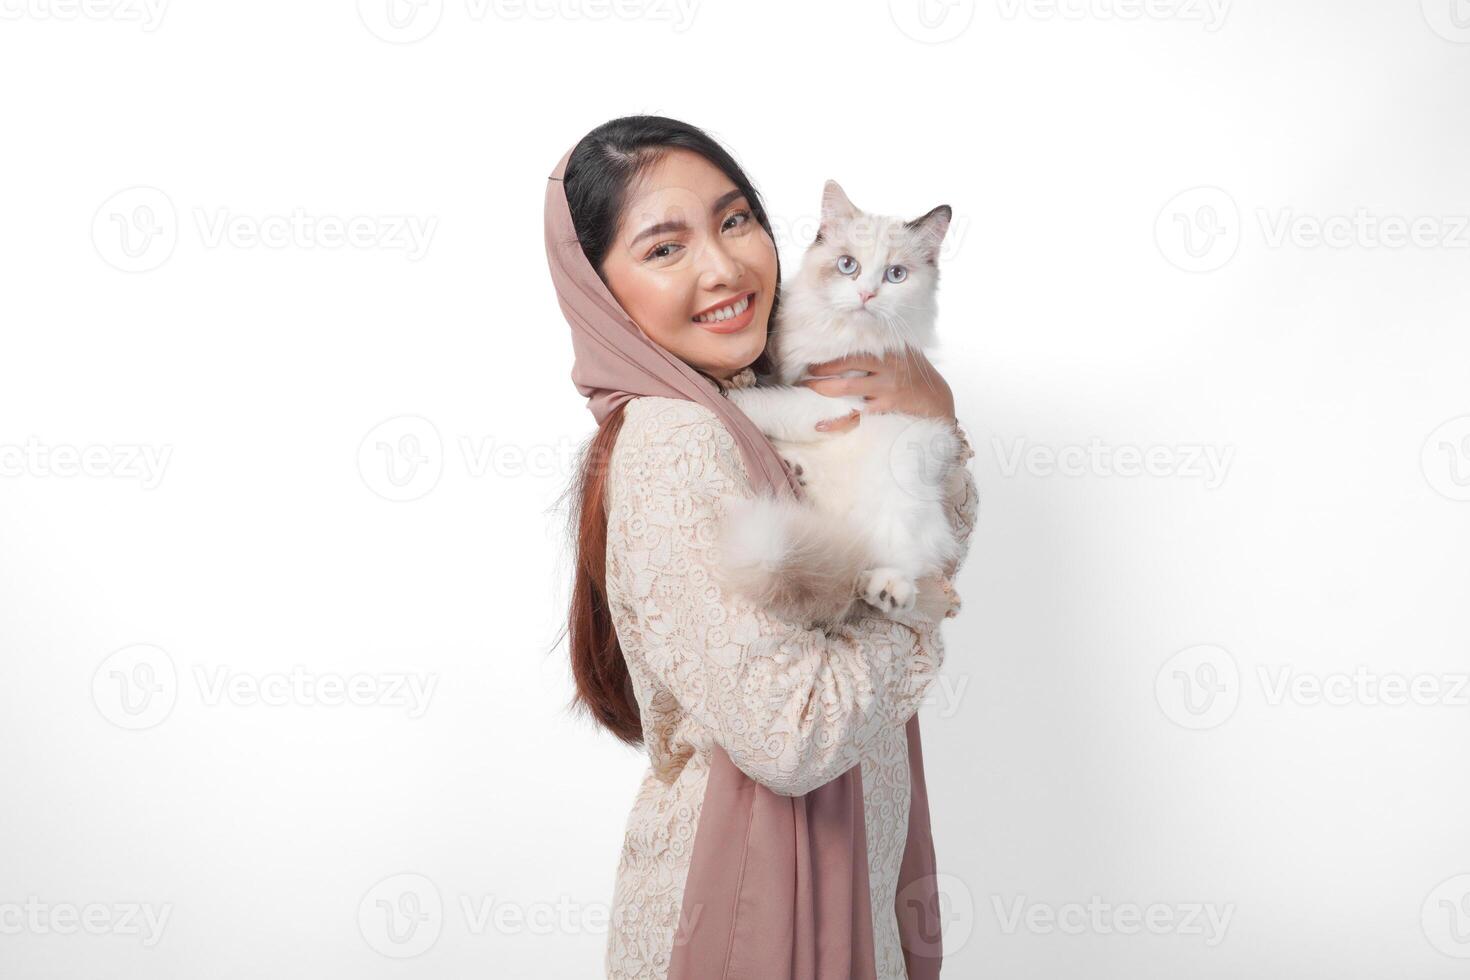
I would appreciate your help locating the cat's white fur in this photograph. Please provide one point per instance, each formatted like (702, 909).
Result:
(873, 524)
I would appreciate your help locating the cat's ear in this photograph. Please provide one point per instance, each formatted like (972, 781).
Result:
(929, 231)
(835, 207)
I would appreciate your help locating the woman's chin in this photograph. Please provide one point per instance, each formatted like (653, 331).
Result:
(737, 353)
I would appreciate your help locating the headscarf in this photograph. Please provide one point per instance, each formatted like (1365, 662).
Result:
(777, 887)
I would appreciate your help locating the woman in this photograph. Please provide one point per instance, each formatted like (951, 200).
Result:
(772, 832)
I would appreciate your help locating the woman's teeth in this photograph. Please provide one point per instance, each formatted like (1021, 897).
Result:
(725, 312)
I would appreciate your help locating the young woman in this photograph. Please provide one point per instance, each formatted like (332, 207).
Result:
(763, 736)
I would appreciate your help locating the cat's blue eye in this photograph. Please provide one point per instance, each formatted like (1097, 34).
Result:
(847, 265)
(896, 273)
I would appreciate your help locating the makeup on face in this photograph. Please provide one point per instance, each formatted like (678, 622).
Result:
(729, 317)
(696, 270)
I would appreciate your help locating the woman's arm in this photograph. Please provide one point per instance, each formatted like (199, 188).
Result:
(793, 707)
(905, 381)
(962, 500)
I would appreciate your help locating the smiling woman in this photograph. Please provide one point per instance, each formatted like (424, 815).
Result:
(693, 267)
(684, 247)
(782, 828)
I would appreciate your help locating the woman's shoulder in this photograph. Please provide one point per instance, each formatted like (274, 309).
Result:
(654, 420)
(667, 412)
(669, 437)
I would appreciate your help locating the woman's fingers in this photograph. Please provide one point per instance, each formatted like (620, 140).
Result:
(901, 381)
(848, 421)
(869, 388)
(832, 386)
(853, 362)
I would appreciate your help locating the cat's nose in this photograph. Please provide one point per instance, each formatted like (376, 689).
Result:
(864, 295)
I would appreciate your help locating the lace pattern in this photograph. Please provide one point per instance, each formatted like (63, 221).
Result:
(793, 707)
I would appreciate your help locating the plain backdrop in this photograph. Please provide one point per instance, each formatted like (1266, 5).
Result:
(285, 413)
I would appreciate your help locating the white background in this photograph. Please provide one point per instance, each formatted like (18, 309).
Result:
(1111, 730)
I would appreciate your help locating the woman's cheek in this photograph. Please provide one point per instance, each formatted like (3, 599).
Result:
(664, 307)
(761, 258)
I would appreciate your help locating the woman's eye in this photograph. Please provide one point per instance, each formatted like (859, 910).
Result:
(662, 251)
(896, 273)
(847, 265)
(736, 220)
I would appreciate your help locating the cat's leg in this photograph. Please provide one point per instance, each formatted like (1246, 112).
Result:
(795, 460)
(888, 589)
(918, 545)
(907, 527)
(892, 586)
(792, 414)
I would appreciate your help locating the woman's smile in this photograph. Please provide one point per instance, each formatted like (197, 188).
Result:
(728, 316)
(693, 266)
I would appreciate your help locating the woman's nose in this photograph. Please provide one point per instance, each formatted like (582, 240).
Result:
(720, 266)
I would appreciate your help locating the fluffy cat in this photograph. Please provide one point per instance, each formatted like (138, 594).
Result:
(873, 524)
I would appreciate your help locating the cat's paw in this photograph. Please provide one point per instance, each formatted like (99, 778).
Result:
(793, 461)
(888, 589)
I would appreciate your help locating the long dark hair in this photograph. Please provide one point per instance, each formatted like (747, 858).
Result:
(602, 168)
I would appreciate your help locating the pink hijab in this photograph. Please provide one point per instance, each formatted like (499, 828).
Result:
(779, 883)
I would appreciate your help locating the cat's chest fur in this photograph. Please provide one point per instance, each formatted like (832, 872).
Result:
(818, 343)
(873, 521)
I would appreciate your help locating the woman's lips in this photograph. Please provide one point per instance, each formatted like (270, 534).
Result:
(736, 323)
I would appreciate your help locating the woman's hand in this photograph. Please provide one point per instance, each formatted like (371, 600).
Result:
(842, 424)
(901, 381)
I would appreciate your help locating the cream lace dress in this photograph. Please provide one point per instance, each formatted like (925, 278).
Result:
(793, 707)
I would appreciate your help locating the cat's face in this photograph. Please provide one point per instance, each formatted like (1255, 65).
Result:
(874, 267)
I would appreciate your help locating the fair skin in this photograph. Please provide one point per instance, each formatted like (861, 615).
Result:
(688, 245)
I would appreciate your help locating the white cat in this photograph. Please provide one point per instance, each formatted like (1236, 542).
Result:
(874, 523)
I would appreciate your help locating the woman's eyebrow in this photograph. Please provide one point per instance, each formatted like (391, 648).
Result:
(659, 229)
(724, 201)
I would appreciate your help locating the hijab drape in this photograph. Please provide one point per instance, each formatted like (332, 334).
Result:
(777, 887)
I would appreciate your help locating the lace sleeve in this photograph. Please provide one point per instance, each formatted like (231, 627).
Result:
(962, 500)
(793, 707)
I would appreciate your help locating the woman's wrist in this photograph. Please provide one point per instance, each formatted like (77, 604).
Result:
(929, 390)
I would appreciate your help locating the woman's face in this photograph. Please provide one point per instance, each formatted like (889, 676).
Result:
(692, 266)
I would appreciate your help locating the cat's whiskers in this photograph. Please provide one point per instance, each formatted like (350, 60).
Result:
(899, 336)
